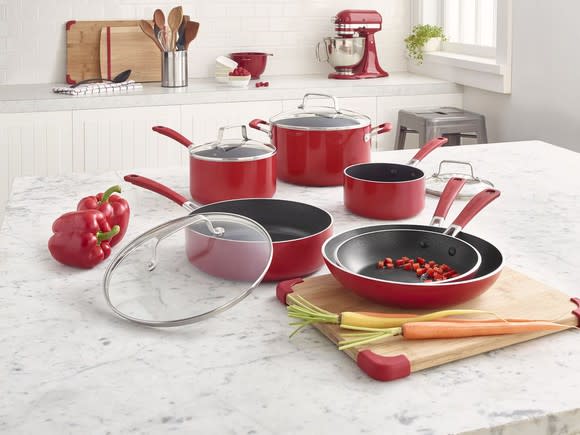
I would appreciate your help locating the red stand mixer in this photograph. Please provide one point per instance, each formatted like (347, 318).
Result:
(353, 51)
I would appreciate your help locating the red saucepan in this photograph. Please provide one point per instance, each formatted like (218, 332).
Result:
(316, 144)
(298, 230)
(228, 168)
(388, 190)
(420, 295)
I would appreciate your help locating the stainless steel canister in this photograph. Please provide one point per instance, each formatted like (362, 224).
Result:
(174, 69)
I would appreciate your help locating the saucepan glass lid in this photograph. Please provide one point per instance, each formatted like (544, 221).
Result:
(435, 184)
(188, 269)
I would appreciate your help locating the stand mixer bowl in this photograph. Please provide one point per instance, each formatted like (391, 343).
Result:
(343, 54)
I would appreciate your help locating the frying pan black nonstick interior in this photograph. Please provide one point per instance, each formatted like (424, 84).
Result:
(491, 257)
(283, 220)
(361, 253)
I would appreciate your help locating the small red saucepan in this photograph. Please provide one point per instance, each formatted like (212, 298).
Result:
(388, 190)
(298, 230)
(422, 294)
(228, 168)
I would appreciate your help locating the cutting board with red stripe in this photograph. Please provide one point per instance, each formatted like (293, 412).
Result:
(123, 48)
(83, 42)
(514, 295)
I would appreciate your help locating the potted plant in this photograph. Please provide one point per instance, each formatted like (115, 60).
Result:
(423, 38)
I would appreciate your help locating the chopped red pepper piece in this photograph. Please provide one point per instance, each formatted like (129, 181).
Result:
(380, 265)
(399, 262)
(408, 266)
(390, 266)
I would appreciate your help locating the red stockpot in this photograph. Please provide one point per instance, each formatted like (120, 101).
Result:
(228, 168)
(315, 145)
(388, 190)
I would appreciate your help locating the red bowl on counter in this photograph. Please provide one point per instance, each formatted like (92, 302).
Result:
(252, 61)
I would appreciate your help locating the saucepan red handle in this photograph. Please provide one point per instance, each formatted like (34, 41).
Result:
(260, 124)
(452, 188)
(473, 207)
(427, 148)
(156, 187)
(169, 132)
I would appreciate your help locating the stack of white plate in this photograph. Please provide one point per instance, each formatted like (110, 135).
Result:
(223, 66)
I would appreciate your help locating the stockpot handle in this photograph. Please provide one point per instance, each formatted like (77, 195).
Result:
(330, 97)
(317, 51)
(261, 125)
(227, 127)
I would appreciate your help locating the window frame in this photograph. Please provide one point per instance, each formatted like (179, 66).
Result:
(487, 68)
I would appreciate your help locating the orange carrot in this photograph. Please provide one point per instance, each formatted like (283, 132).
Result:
(428, 330)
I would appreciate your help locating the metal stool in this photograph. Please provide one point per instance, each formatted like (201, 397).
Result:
(450, 122)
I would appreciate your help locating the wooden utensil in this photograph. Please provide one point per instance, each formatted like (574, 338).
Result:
(174, 21)
(181, 34)
(159, 27)
(190, 33)
(514, 295)
(147, 28)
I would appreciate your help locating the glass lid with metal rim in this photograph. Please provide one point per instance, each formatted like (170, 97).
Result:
(320, 117)
(187, 269)
(232, 149)
(473, 185)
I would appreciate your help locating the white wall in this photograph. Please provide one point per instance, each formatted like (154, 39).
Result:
(33, 43)
(545, 99)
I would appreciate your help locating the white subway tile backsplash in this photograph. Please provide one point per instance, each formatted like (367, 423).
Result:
(33, 39)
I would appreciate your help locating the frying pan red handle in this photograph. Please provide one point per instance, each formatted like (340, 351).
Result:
(169, 132)
(427, 148)
(473, 207)
(452, 188)
(156, 187)
(259, 124)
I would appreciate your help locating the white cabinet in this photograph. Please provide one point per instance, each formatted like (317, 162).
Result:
(122, 138)
(37, 143)
(388, 111)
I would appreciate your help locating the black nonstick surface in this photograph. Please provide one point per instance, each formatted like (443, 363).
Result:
(283, 220)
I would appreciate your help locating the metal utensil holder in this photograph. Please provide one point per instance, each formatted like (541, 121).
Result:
(174, 69)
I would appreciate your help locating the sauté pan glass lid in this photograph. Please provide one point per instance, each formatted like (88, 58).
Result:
(187, 269)
(235, 149)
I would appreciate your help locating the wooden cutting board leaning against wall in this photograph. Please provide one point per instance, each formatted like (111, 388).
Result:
(83, 49)
(83, 44)
(514, 295)
(123, 48)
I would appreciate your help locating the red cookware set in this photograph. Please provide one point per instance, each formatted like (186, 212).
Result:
(241, 235)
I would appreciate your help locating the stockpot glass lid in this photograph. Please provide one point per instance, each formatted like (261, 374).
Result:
(232, 149)
(187, 269)
(320, 117)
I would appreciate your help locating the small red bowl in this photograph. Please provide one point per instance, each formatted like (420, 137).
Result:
(252, 61)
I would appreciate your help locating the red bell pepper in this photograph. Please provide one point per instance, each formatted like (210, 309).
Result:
(115, 209)
(81, 238)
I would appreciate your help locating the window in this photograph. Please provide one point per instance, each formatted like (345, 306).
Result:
(478, 50)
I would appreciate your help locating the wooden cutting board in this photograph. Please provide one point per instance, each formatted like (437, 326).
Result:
(83, 42)
(513, 295)
(123, 48)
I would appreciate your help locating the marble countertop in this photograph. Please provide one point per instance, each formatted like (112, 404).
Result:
(40, 98)
(69, 365)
